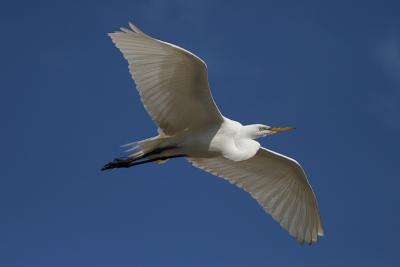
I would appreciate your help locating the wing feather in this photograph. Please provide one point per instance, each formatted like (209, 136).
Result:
(280, 186)
(172, 82)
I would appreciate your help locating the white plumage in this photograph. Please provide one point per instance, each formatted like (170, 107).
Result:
(172, 82)
(173, 86)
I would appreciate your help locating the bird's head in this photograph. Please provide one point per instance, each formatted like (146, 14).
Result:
(255, 131)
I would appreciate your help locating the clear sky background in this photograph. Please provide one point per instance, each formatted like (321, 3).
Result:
(329, 68)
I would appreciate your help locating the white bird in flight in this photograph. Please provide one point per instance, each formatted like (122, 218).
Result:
(174, 89)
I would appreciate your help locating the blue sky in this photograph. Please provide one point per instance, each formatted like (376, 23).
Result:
(329, 68)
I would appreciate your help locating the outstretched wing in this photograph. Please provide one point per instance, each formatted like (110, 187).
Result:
(279, 185)
(171, 81)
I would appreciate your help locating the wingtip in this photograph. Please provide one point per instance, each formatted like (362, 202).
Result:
(113, 34)
(321, 231)
(132, 29)
(125, 30)
(135, 28)
(310, 242)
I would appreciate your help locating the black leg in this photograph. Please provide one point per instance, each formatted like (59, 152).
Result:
(126, 163)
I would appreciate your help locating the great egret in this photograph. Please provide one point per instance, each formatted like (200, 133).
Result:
(173, 86)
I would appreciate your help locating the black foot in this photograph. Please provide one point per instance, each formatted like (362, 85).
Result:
(117, 163)
(127, 162)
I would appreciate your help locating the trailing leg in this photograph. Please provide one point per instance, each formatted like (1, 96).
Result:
(126, 163)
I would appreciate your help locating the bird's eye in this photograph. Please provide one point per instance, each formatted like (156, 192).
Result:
(262, 128)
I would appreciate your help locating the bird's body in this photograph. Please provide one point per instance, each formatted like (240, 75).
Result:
(227, 139)
(173, 86)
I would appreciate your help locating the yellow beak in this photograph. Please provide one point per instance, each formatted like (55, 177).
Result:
(281, 129)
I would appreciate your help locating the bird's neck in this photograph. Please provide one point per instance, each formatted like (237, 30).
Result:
(250, 131)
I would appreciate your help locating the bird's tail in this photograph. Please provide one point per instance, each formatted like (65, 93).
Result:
(153, 149)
